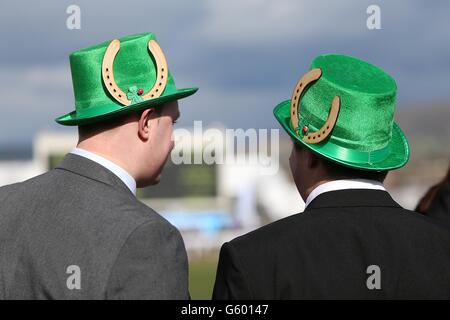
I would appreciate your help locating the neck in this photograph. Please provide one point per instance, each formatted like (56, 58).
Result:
(107, 151)
(341, 184)
(305, 192)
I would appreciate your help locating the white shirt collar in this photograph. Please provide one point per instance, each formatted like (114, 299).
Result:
(342, 185)
(114, 168)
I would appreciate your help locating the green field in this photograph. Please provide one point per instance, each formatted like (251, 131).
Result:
(202, 273)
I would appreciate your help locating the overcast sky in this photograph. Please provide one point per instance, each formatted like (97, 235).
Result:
(245, 55)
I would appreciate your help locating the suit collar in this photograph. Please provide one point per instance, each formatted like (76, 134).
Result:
(353, 198)
(343, 185)
(111, 166)
(92, 170)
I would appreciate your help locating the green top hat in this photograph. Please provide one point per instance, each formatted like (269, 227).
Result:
(120, 76)
(343, 110)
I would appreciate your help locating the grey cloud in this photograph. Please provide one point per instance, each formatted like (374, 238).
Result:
(244, 55)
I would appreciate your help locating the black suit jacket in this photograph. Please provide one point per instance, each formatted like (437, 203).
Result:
(326, 251)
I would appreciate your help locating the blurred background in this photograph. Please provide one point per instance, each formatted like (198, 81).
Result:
(246, 56)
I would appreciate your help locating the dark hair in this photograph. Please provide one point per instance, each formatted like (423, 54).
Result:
(427, 200)
(86, 131)
(337, 171)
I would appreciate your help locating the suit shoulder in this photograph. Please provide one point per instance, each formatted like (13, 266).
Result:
(26, 185)
(16, 189)
(267, 233)
(9, 189)
(150, 216)
(154, 230)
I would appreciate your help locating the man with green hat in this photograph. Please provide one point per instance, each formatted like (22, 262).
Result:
(353, 240)
(78, 231)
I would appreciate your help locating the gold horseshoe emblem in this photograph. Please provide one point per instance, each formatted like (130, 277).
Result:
(322, 133)
(108, 73)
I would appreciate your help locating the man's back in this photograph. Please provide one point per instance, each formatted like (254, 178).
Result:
(78, 232)
(347, 244)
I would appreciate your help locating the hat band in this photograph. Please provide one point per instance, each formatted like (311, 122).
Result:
(332, 150)
(354, 156)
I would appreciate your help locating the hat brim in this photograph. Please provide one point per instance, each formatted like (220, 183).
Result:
(108, 112)
(397, 148)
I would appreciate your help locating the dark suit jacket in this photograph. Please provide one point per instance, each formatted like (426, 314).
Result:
(440, 207)
(326, 251)
(81, 215)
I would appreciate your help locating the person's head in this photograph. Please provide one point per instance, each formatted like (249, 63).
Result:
(341, 119)
(310, 170)
(128, 75)
(429, 197)
(139, 142)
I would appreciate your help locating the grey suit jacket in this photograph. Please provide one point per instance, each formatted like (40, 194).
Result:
(78, 232)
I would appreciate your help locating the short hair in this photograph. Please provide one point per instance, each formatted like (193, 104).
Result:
(337, 171)
(88, 130)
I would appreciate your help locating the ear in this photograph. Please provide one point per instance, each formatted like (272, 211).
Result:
(144, 123)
